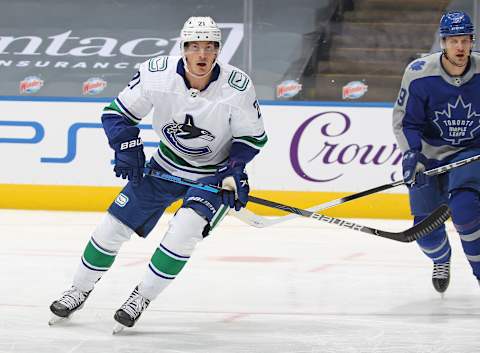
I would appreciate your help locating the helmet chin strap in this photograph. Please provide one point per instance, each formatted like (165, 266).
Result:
(444, 52)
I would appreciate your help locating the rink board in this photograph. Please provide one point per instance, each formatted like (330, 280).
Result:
(98, 198)
(55, 156)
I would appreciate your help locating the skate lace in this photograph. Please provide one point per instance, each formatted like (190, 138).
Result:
(73, 298)
(135, 304)
(441, 270)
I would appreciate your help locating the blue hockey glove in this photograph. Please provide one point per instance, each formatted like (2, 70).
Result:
(233, 177)
(413, 164)
(129, 160)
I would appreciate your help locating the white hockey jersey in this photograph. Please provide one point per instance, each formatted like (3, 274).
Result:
(196, 128)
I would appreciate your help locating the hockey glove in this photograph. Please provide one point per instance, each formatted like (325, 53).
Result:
(129, 160)
(413, 164)
(235, 182)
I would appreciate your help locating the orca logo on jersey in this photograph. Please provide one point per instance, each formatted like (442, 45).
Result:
(458, 122)
(174, 132)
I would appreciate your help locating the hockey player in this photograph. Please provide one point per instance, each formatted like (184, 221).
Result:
(436, 120)
(207, 117)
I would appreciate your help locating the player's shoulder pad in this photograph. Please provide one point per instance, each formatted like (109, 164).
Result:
(156, 71)
(236, 78)
(428, 65)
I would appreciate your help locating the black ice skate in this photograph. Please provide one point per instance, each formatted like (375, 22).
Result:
(441, 277)
(70, 301)
(130, 311)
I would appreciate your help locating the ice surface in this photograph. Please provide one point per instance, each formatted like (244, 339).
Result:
(298, 287)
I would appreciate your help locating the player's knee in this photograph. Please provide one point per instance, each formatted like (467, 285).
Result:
(111, 233)
(465, 210)
(184, 232)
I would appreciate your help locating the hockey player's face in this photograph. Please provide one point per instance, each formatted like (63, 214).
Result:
(200, 56)
(458, 48)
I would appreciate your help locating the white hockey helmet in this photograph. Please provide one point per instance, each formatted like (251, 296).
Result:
(200, 29)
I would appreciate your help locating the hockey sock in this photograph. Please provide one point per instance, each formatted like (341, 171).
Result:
(465, 208)
(435, 245)
(100, 252)
(184, 232)
(95, 262)
(164, 266)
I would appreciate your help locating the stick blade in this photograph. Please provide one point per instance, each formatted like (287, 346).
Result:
(429, 224)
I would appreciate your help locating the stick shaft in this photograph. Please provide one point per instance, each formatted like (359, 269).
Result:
(255, 220)
(409, 235)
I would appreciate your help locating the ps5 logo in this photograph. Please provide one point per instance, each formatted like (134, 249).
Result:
(33, 132)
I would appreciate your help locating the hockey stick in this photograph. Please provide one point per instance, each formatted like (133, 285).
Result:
(438, 217)
(258, 221)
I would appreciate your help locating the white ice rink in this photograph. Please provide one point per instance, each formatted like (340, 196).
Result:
(299, 287)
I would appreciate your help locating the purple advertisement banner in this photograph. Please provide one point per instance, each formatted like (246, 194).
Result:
(327, 149)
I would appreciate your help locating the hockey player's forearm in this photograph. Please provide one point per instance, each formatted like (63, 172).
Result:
(413, 140)
(117, 128)
(245, 148)
(242, 153)
(408, 136)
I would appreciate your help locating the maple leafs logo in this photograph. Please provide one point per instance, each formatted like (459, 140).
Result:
(458, 122)
(417, 65)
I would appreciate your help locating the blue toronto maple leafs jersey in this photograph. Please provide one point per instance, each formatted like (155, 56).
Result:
(436, 113)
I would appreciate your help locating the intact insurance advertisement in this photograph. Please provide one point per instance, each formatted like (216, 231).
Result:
(310, 148)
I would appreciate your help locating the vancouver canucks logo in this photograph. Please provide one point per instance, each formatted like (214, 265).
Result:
(179, 135)
(458, 122)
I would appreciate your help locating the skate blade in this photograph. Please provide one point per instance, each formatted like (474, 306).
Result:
(118, 328)
(54, 319)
